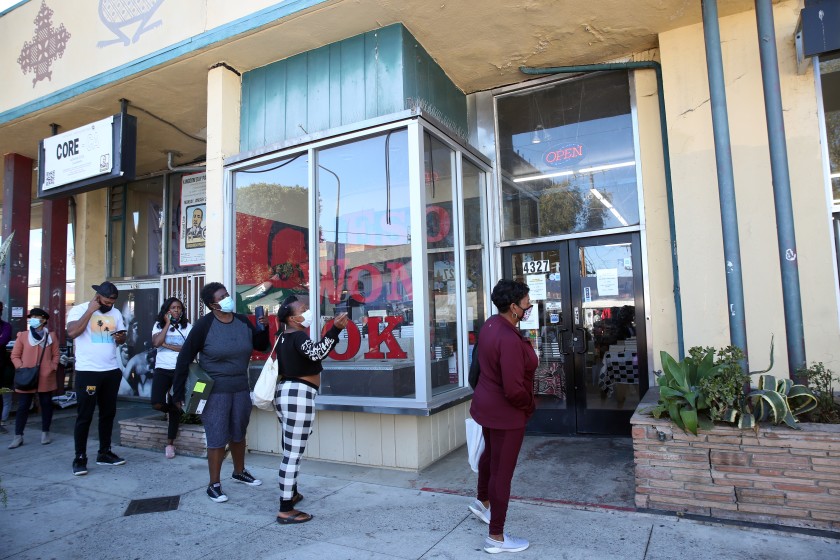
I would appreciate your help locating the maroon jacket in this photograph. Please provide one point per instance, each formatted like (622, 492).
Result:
(504, 396)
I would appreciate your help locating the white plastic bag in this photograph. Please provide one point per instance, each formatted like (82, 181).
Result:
(475, 443)
(266, 387)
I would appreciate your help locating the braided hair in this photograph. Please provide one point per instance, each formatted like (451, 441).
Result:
(285, 310)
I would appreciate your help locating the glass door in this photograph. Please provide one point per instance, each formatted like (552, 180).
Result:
(545, 268)
(588, 331)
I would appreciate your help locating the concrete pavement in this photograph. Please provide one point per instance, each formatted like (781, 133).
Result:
(360, 513)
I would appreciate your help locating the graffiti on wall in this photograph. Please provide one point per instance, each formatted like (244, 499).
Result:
(47, 45)
(121, 16)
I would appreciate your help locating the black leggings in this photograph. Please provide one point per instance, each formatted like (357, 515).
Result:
(162, 400)
(25, 403)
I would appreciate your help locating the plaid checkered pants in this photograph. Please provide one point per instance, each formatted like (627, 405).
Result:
(295, 404)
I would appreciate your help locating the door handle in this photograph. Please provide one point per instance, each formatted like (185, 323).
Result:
(581, 341)
(563, 342)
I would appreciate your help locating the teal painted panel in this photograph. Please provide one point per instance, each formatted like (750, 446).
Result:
(389, 70)
(371, 75)
(335, 85)
(275, 103)
(256, 102)
(296, 97)
(362, 77)
(318, 89)
(352, 76)
(244, 112)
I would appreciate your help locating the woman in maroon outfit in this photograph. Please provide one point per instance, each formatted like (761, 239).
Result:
(502, 403)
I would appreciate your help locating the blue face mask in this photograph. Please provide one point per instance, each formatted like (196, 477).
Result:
(35, 323)
(227, 305)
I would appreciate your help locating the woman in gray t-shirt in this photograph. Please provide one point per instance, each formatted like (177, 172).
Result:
(225, 341)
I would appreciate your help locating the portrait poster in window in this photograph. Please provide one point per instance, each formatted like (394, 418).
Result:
(193, 219)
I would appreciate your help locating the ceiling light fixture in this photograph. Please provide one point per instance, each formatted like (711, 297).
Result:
(578, 172)
(609, 206)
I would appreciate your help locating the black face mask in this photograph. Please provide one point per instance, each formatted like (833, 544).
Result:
(105, 308)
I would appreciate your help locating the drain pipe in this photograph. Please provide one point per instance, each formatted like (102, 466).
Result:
(726, 180)
(666, 158)
(184, 168)
(785, 230)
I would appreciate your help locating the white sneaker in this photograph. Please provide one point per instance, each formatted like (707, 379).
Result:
(510, 544)
(480, 511)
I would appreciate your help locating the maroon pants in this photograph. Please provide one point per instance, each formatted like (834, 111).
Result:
(495, 472)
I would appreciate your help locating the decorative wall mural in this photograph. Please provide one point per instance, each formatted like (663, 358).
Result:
(47, 46)
(117, 15)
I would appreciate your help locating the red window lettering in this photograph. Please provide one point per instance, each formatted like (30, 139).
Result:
(376, 338)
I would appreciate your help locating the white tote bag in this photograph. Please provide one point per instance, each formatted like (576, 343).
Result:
(475, 443)
(266, 387)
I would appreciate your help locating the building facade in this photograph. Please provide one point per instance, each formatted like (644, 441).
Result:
(393, 160)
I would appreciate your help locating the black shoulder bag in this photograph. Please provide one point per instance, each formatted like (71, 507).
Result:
(475, 372)
(26, 378)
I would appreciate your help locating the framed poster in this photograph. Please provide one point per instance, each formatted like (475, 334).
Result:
(193, 219)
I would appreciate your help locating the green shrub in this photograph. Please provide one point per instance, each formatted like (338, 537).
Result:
(821, 380)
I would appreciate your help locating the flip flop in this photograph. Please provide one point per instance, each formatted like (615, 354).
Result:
(299, 517)
(296, 498)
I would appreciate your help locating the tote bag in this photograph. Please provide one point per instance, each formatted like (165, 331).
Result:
(475, 443)
(266, 386)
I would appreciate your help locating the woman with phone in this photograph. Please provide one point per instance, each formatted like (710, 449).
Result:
(168, 335)
(300, 368)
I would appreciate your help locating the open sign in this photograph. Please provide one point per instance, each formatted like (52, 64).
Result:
(563, 154)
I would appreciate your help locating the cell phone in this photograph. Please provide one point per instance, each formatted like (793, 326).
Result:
(259, 312)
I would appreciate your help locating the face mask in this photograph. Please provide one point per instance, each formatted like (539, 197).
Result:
(307, 318)
(227, 305)
(35, 323)
(105, 308)
(527, 313)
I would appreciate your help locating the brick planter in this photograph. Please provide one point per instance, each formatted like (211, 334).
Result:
(782, 476)
(150, 433)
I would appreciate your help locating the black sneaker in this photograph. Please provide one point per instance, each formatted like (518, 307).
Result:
(79, 466)
(246, 478)
(109, 458)
(214, 492)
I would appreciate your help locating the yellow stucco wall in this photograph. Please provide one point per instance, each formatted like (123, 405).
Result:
(696, 195)
(91, 241)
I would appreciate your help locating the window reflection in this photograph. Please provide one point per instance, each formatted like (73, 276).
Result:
(568, 158)
(272, 229)
(364, 255)
(136, 232)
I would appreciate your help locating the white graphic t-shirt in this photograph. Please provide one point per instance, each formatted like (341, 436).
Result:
(166, 358)
(94, 348)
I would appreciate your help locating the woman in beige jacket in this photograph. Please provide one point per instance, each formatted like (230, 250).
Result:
(29, 347)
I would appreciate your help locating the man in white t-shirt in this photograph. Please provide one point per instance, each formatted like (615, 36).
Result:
(96, 328)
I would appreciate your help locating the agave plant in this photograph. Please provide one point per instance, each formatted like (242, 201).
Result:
(780, 400)
(679, 393)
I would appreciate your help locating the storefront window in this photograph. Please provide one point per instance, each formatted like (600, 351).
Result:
(442, 282)
(567, 158)
(830, 79)
(272, 229)
(364, 257)
(136, 229)
(475, 226)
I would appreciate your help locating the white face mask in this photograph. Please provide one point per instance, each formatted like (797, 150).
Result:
(307, 319)
(227, 305)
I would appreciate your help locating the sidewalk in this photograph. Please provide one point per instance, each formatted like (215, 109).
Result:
(360, 513)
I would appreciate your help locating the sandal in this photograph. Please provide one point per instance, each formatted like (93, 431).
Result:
(298, 517)
(296, 498)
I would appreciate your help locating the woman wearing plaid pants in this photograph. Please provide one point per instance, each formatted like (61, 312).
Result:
(299, 359)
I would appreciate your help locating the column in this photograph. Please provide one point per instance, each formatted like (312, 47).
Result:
(17, 202)
(224, 93)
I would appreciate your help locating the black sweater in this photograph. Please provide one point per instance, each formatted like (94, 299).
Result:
(195, 342)
(299, 356)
